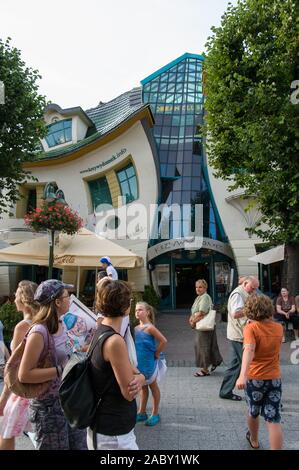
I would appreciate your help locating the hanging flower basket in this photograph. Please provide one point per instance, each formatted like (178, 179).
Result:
(54, 216)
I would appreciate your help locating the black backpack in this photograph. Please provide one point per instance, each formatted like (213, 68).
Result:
(76, 392)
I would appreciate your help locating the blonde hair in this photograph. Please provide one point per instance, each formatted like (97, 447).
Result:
(26, 290)
(203, 282)
(150, 310)
(48, 315)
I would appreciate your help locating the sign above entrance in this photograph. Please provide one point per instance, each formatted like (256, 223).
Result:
(177, 244)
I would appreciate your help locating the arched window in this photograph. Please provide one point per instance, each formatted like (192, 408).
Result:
(59, 132)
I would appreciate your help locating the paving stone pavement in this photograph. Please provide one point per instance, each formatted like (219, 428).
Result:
(193, 417)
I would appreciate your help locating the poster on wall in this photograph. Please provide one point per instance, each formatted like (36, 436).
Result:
(222, 273)
(222, 277)
(163, 274)
(80, 324)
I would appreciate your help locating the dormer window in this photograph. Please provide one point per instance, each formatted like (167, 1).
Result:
(59, 132)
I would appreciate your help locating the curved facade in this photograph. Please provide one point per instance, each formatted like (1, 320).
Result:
(142, 148)
(100, 169)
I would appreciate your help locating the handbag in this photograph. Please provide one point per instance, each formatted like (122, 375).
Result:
(11, 372)
(76, 392)
(207, 323)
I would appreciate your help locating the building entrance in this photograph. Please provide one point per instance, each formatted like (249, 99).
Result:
(186, 275)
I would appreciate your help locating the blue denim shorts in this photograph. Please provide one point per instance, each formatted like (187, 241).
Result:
(263, 398)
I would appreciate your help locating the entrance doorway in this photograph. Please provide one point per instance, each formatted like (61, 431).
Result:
(186, 275)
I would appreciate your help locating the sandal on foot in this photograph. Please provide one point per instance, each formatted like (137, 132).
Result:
(232, 396)
(201, 374)
(248, 437)
(141, 417)
(214, 367)
(153, 420)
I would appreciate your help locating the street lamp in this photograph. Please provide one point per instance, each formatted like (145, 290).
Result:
(52, 195)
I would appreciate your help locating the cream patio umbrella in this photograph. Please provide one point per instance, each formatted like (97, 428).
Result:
(83, 249)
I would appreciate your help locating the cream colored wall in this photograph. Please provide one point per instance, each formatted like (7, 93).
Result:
(79, 129)
(68, 178)
(234, 225)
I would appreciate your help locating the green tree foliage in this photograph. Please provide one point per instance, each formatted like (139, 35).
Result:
(252, 124)
(21, 122)
(9, 317)
(151, 297)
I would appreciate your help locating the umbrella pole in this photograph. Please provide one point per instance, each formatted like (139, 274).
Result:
(78, 282)
(95, 283)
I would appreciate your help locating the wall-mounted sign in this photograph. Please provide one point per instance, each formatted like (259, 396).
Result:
(169, 108)
(105, 162)
(170, 245)
(163, 275)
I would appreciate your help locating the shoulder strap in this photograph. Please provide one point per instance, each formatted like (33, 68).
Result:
(96, 339)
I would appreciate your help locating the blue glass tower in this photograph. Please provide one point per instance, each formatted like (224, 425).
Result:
(175, 94)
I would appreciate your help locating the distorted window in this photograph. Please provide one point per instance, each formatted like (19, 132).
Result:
(128, 183)
(59, 133)
(99, 192)
(31, 201)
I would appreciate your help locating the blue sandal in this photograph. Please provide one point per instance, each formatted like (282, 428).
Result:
(141, 417)
(153, 420)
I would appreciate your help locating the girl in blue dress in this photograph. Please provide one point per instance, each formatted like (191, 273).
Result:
(149, 343)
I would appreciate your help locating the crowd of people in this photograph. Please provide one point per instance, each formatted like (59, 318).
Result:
(115, 377)
(124, 371)
(255, 329)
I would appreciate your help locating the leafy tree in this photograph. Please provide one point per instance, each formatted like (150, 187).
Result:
(251, 120)
(21, 122)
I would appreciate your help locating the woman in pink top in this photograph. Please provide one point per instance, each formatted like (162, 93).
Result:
(14, 409)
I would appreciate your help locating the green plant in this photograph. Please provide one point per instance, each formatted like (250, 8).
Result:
(9, 317)
(223, 312)
(151, 297)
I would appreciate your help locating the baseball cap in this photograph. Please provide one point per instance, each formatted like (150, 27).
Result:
(49, 290)
(105, 259)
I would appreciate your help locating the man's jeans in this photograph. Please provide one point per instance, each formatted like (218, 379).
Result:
(233, 370)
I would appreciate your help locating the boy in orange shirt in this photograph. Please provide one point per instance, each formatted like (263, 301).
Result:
(260, 374)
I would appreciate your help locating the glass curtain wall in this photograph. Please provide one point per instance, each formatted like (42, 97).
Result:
(176, 100)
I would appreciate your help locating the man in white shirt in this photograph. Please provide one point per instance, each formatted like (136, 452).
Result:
(236, 321)
(110, 270)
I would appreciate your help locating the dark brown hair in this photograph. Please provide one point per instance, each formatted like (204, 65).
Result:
(113, 297)
(258, 307)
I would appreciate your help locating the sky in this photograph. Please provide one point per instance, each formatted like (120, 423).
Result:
(94, 50)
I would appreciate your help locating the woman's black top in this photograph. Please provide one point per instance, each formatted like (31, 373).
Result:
(116, 415)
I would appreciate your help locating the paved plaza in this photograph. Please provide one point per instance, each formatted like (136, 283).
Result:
(193, 417)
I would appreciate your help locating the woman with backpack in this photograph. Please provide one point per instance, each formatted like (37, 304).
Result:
(47, 337)
(115, 380)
